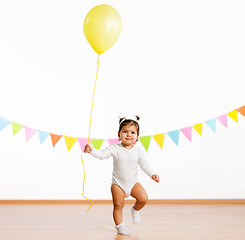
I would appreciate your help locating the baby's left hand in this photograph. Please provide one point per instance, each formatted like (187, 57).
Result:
(156, 178)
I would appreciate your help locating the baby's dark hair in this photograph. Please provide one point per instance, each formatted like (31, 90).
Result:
(124, 122)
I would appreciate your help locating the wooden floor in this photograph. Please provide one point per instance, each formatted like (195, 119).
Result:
(159, 221)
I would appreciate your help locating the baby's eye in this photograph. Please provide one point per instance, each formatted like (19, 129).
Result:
(125, 131)
(133, 132)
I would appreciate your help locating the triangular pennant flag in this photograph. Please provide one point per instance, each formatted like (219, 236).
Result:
(198, 128)
(83, 142)
(174, 135)
(241, 110)
(43, 136)
(3, 123)
(113, 141)
(70, 142)
(187, 132)
(223, 119)
(29, 132)
(212, 124)
(16, 127)
(233, 115)
(145, 141)
(55, 138)
(97, 143)
(159, 138)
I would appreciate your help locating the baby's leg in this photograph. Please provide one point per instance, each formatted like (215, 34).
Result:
(118, 203)
(139, 193)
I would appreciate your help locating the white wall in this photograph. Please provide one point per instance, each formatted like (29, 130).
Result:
(176, 63)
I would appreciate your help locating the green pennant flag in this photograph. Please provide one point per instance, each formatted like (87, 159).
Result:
(97, 143)
(145, 141)
(16, 127)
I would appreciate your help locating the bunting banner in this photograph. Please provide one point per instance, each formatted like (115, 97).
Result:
(144, 140)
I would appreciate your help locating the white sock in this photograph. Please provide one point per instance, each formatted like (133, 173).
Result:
(135, 215)
(122, 229)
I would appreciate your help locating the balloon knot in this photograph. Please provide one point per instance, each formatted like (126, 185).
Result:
(98, 58)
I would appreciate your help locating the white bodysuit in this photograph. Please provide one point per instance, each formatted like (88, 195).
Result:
(125, 164)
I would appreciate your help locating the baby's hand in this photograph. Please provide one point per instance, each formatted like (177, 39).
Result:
(156, 178)
(87, 149)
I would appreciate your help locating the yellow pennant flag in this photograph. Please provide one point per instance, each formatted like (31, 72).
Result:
(70, 142)
(198, 128)
(159, 139)
(233, 115)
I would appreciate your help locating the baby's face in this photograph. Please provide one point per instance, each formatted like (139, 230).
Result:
(128, 135)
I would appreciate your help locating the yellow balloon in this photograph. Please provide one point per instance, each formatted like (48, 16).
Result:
(102, 27)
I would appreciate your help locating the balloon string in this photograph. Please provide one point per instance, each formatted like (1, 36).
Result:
(84, 184)
(98, 61)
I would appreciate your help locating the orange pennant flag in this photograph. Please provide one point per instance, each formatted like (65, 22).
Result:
(55, 138)
(198, 128)
(233, 115)
(159, 139)
(241, 110)
(70, 142)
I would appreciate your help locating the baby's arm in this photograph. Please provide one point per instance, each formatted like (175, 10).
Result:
(145, 166)
(100, 154)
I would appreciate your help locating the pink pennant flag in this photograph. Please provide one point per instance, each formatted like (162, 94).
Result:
(187, 132)
(83, 142)
(113, 141)
(29, 132)
(223, 119)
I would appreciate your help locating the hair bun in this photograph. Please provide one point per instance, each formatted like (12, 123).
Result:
(121, 119)
(135, 118)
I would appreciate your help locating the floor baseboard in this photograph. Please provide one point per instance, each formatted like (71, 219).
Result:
(129, 201)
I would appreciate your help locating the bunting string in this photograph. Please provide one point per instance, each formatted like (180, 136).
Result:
(144, 140)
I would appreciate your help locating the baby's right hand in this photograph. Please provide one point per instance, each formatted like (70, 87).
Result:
(87, 149)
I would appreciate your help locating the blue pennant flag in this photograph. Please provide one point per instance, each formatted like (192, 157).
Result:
(212, 124)
(43, 136)
(3, 123)
(174, 135)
